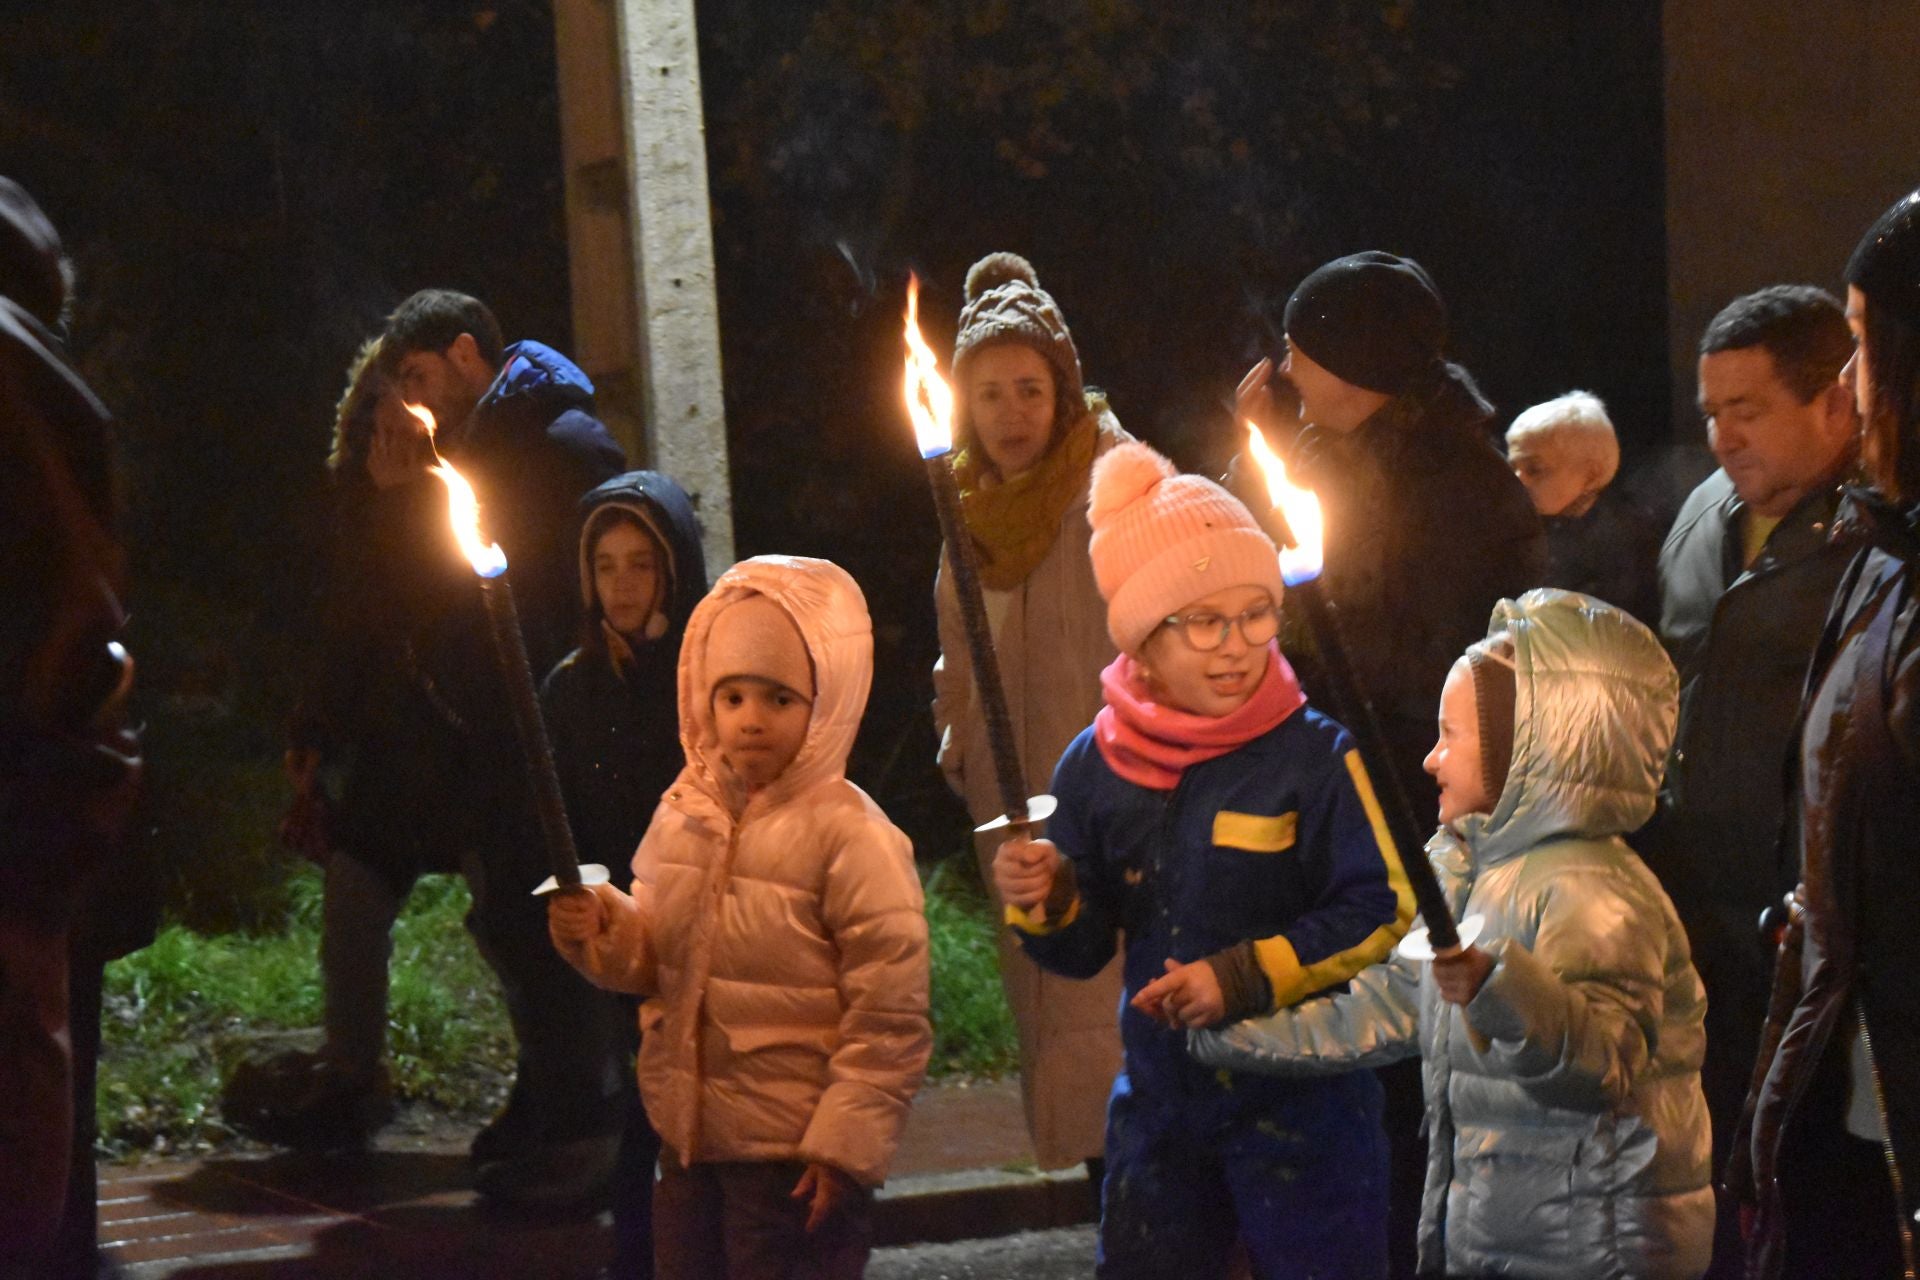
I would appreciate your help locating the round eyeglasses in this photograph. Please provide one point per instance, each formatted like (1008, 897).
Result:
(1207, 630)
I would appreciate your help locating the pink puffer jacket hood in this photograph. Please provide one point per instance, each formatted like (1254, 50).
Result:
(783, 940)
(826, 604)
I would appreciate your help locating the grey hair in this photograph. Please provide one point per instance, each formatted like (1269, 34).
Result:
(1582, 421)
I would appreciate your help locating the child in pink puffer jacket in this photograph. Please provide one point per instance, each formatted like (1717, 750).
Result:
(776, 924)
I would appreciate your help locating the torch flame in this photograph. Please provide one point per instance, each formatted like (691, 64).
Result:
(463, 509)
(929, 398)
(1302, 561)
(425, 415)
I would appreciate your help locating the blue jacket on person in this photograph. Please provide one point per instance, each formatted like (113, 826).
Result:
(1274, 862)
(1278, 846)
(535, 447)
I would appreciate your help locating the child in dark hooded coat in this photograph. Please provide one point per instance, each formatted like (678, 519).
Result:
(610, 710)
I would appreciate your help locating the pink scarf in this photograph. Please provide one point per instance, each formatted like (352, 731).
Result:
(1151, 744)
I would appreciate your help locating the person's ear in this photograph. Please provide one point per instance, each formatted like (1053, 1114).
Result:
(464, 354)
(1839, 404)
(1596, 474)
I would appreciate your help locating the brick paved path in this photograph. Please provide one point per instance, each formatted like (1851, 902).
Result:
(406, 1208)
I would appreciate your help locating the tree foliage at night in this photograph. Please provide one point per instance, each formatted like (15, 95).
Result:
(1130, 149)
(248, 188)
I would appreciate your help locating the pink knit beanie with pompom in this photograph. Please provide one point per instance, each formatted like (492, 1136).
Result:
(1162, 540)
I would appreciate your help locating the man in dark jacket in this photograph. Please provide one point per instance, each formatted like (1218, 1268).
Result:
(518, 421)
(1426, 527)
(1828, 1161)
(1746, 577)
(68, 766)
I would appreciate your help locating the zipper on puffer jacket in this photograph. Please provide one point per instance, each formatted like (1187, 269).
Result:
(710, 914)
(1886, 1147)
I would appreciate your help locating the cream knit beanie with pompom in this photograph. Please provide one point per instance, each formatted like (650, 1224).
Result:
(1162, 540)
(1005, 303)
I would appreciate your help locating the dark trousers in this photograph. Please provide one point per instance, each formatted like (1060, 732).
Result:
(1189, 1175)
(1404, 1115)
(464, 802)
(36, 1124)
(1840, 1213)
(1737, 988)
(739, 1221)
(633, 1194)
(76, 1250)
(571, 1038)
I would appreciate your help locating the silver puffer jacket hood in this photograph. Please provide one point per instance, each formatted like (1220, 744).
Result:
(1595, 698)
(1567, 1132)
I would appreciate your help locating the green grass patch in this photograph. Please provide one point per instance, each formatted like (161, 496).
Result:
(186, 1010)
(972, 1026)
(181, 1013)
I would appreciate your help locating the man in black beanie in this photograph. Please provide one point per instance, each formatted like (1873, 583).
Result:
(1426, 527)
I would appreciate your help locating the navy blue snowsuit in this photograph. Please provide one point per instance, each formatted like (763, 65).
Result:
(1279, 842)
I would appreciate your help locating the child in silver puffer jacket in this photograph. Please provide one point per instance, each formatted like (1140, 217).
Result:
(1568, 1136)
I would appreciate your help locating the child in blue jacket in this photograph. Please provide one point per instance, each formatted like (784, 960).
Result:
(1230, 833)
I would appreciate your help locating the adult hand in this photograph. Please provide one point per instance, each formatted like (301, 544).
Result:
(400, 450)
(575, 915)
(1460, 974)
(825, 1189)
(1187, 996)
(1023, 871)
(1265, 398)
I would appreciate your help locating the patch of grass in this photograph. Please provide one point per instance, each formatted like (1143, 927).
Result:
(184, 1011)
(972, 1026)
(180, 1013)
(448, 1042)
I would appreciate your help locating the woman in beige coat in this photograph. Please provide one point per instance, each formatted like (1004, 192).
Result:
(1027, 434)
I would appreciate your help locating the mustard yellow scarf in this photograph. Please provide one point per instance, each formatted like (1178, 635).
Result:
(1014, 522)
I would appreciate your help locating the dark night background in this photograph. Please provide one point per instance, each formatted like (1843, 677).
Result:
(247, 189)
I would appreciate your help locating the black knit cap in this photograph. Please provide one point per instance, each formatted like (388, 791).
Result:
(1886, 263)
(1373, 319)
(29, 255)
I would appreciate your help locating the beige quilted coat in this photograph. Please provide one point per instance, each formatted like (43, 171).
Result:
(1052, 644)
(785, 949)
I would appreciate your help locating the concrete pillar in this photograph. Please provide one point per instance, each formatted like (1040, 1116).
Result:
(1790, 126)
(640, 241)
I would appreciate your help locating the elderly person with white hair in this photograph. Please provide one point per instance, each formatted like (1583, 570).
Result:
(1599, 542)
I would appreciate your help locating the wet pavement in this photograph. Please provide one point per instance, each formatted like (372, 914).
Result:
(1065, 1253)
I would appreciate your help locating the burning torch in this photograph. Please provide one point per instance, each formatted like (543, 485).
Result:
(503, 616)
(930, 407)
(1293, 521)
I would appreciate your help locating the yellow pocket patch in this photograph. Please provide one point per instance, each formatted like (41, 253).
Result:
(1254, 832)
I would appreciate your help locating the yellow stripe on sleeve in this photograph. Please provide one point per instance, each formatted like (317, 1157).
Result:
(1403, 905)
(1292, 981)
(1025, 923)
